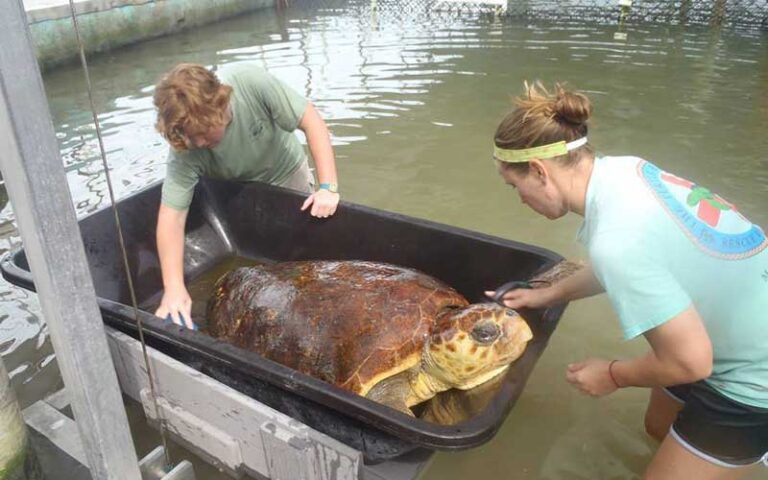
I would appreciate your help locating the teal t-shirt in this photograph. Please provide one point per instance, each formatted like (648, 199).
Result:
(258, 145)
(659, 243)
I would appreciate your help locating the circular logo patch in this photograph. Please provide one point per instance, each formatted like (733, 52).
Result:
(711, 222)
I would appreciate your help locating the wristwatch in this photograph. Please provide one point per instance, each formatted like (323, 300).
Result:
(331, 187)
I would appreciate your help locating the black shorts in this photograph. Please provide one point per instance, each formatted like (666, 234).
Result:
(718, 429)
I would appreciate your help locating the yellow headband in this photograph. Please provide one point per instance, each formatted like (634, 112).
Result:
(544, 151)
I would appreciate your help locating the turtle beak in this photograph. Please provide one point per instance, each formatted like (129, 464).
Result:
(515, 328)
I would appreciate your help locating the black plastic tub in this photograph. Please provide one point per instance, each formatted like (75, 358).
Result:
(259, 221)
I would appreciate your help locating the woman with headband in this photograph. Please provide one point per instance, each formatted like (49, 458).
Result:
(681, 266)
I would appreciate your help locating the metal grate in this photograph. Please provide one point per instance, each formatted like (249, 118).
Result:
(497, 7)
(750, 13)
(735, 13)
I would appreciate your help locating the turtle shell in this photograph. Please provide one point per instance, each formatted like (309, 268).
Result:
(349, 323)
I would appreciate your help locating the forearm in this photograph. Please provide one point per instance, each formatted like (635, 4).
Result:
(651, 371)
(170, 246)
(681, 352)
(581, 284)
(319, 142)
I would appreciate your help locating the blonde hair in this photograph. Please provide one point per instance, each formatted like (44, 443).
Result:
(189, 99)
(542, 118)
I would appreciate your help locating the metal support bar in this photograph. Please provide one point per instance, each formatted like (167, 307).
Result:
(59, 429)
(37, 186)
(153, 467)
(45, 417)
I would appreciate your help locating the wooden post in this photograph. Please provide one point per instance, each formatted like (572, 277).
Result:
(37, 187)
(718, 13)
(685, 12)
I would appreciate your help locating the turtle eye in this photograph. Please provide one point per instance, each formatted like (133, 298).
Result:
(485, 333)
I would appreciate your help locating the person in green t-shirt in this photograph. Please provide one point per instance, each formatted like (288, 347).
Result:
(236, 125)
(680, 265)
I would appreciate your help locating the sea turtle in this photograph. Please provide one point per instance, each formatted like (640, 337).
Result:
(391, 334)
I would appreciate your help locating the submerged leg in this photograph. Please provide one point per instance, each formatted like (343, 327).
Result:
(673, 462)
(661, 413)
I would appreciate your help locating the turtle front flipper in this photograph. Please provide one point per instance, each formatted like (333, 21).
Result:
(393, 392)
(455, 406)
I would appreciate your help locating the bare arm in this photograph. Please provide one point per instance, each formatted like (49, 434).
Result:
(581, 284)
(319, 142)
(170, 249)
(681, 352)
(323, 202)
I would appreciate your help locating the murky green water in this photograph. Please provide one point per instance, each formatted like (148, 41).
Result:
(413, 106)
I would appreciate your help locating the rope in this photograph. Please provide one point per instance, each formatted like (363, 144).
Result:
(150, 376)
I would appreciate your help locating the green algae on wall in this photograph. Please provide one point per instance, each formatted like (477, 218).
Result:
(106, 24)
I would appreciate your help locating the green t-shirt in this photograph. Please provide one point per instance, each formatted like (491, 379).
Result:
(659, 243)
(258, 145)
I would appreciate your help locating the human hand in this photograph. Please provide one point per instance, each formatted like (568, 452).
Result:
(323, 203)
(525, 297)
(177, 304)
(592, 377)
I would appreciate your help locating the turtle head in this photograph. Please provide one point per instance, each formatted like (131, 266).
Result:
(471, 345)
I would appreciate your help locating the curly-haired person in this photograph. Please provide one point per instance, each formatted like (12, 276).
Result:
(235, 124)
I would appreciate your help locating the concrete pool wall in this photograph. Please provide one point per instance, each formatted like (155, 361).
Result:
(107, 24)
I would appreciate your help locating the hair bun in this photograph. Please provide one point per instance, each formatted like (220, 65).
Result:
(571, 107)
